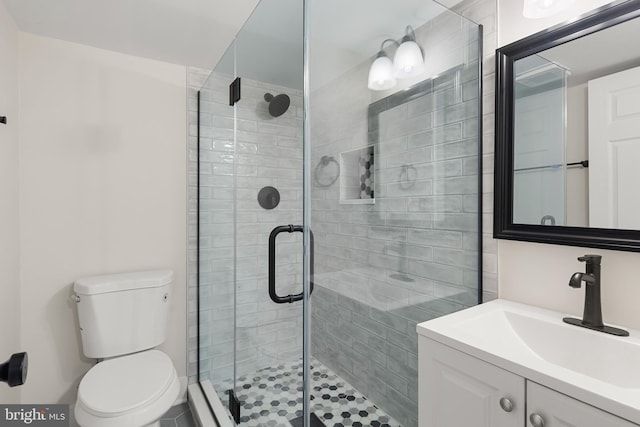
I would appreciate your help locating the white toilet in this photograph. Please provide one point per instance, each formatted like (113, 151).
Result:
(122, 317)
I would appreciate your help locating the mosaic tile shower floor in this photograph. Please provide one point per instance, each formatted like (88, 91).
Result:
(273, 396)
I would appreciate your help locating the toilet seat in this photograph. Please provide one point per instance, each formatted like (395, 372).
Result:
(131, 390)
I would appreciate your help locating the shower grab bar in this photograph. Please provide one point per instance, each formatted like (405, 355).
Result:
(272, 263)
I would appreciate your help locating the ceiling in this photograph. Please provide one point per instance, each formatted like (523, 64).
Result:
(269, 46)
(599, 54)
(197, 32)
(188, 32)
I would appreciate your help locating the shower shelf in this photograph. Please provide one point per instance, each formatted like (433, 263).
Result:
(358, 202)
(357, 177)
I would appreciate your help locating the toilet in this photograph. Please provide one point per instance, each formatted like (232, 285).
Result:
(122, 318)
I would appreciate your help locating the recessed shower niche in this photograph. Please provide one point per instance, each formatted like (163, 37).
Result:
(357, 179)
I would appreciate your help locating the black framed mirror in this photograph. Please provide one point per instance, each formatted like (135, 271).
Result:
(564, 174)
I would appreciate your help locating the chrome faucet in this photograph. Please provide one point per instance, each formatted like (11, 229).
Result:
(592, 316)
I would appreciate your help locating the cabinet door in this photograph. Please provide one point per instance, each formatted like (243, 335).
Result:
(457, 390)
(559, 410)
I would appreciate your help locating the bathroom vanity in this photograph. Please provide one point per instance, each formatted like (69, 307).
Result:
(503, 364)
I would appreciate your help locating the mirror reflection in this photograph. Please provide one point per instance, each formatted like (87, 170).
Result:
(577, 132)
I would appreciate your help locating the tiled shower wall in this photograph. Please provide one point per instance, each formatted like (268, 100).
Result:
(413, 255)
(267, 152)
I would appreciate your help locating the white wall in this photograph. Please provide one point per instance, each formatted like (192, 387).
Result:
(538, 274)
(513, 26)
(102, 190)
(9, 211)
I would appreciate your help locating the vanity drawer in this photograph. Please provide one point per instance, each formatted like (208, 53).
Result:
(559, 410)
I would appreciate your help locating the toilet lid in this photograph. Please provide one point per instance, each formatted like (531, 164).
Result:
(123, 384)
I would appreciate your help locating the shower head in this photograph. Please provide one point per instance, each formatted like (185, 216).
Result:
(278, 104)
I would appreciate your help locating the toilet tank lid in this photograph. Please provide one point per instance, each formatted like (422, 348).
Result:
(93, 285)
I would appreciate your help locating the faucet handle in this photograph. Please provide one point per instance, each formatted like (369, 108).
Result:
(591, 259)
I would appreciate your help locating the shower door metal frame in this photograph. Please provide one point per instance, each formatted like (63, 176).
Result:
(306, 221)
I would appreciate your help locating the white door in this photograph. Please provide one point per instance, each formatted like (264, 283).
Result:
(457, 390)
(614, 150)
(558, 410)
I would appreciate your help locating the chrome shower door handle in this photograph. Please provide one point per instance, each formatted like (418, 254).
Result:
(272, 263)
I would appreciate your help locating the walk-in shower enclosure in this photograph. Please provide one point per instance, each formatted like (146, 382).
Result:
(332, 218)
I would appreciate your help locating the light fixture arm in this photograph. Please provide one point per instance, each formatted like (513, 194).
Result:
(383, 43)
(411, 35)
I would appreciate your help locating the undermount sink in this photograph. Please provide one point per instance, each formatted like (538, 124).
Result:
(597, 368)
(590, 353)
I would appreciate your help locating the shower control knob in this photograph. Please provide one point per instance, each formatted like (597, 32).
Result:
(506, 405)
(536, 420)
(14, 370)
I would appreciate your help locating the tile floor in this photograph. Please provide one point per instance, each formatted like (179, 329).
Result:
(273, 396)
(178, 416)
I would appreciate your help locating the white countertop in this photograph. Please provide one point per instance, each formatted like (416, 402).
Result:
(597, 368)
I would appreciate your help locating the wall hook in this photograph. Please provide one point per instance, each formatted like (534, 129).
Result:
(3, 120)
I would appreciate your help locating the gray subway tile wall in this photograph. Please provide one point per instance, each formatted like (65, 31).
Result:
(234, 229)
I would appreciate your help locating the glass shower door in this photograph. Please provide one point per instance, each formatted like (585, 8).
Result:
(251, 255)
(269, 219)
(217, 223)
(307, 175)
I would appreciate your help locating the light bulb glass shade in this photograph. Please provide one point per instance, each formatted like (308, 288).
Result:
(534, 9)
(408, 60)
(381, 73)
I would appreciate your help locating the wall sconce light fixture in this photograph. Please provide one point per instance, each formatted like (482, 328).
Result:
(408, 61)
(381, 73)
(535, 9)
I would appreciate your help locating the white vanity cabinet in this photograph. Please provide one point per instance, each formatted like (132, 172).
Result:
(456, 389)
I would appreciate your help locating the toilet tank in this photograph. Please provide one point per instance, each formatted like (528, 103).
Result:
(123, 313)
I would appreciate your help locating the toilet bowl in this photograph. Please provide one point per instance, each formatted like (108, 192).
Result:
(133, 390)
(122, 317)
